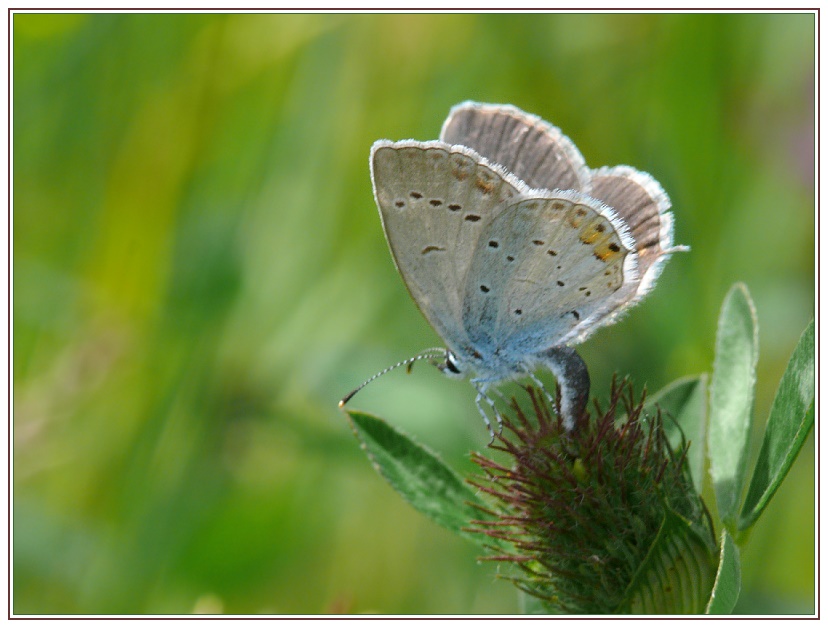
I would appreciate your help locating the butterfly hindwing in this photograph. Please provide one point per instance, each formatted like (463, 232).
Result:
(642, 203)
(545, 268)
(536, 152)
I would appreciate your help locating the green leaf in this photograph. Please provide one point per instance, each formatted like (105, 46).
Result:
(420, 477)
(677, 575)
(791, 419)
(731, 399)
(728, 578)
(685, 400)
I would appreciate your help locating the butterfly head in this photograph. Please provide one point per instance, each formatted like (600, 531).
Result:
(450, 366)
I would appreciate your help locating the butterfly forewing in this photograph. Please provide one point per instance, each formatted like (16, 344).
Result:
(436, 201)
(536, 152)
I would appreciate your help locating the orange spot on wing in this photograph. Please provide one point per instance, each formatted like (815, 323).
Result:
(609, 251)
(485, 185)
(593, 231)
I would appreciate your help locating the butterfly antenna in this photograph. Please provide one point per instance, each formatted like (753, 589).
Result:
(428, 353)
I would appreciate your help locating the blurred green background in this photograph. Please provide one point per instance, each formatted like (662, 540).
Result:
(200, 274)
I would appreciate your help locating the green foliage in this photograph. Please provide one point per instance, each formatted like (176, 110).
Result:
(790, 421)
(728, 578)
(731, 399)
(576, 510)
(676, 577)
(586, 511)
(684, 403)
(419, 476)
(602, 520)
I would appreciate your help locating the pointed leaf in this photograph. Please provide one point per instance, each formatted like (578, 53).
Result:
(731, 399)
(677, 575)
(728, 579)
(790, 421)
(685, 402)
(419, 476)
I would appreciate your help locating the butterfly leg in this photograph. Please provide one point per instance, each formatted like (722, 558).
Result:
(482, 396)
(540, 385)
(573, 378)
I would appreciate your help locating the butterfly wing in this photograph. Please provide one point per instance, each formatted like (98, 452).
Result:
(643, 204)
(488, 180)
(547, 269)
(539, 154)
(435, 201)
(525, 145)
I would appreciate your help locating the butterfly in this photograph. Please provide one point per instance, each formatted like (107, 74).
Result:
(513, 249)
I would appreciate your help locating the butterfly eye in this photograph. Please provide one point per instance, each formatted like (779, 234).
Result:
(450, 364)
